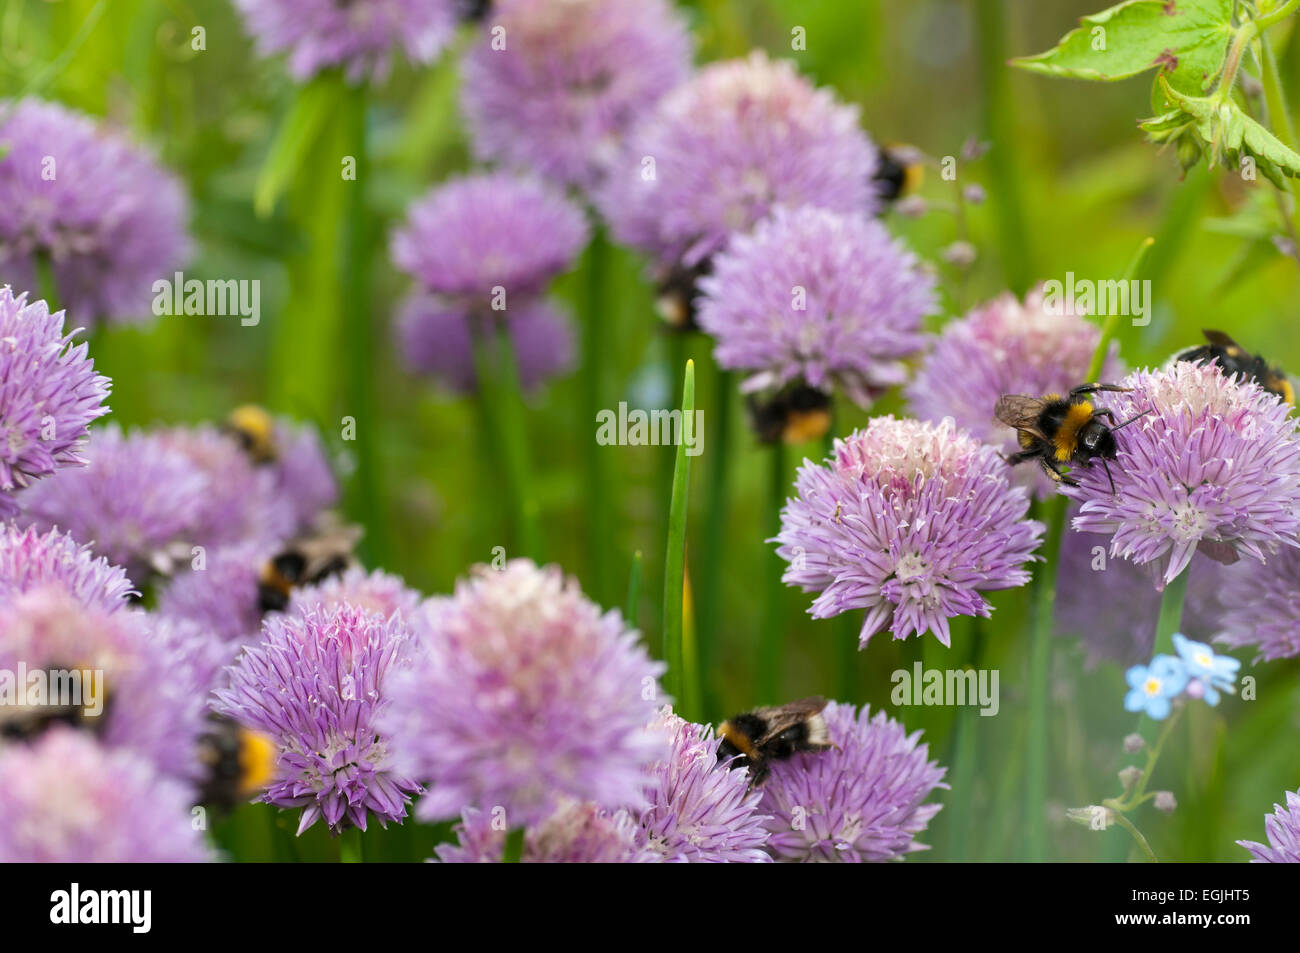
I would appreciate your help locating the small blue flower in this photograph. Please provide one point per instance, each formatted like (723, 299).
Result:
(1211, 673)
(1153, 687)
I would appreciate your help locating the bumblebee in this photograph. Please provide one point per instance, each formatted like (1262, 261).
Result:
(28, 722)
(1056, 430)
(757, 738)
(474, 11)
(254, 428)
(899, 172)
(678, 289)
(239, 762)
(795, 414)
(305, 562)
(1237, 362)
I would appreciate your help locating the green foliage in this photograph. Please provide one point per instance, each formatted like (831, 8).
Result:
(1185, 39)
(1218, 128)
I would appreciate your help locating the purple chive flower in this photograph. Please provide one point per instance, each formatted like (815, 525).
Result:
(149, 702)
(726, 147)
(700, 812)
(817, 297)
(147, 498)
(377, 591)
(1153, 688)
(1005, 347)
(490, 230)
(435, 339)
(32, 560)
(241, 501)
(49, 393)
(526, 693)
(304, 479)
(576, 833)
(132, 503)
(222, 597)
(1215, 466)
(68, 799)
(910, 521)
(108, 217)
(359, 37)
(858, 802)
(1283, 830)
(571, 83)
(318, 684)
(1259, 606)
(1119, 628)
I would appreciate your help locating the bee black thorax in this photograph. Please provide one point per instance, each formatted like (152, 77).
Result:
(795, 414)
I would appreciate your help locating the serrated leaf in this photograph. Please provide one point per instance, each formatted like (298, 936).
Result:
(1185, 39)
(1225, 133)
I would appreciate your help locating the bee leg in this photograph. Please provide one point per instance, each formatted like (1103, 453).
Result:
(1095, 388)
(1020, 457)
(1109, 477)
(1050, 468)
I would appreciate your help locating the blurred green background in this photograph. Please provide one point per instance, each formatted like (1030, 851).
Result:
(1071, 187)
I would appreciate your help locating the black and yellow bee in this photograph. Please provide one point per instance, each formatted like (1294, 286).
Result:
(1058, 431)
(678, 289)
(254, 428)
(1239, 363)
(757, 738)
(28, 722)
(238, 762)
(899, 172)
(304, 562)
(795, 414)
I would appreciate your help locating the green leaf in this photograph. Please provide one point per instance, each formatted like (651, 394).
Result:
(1185, 39)
(1225, 133)
(298, 132)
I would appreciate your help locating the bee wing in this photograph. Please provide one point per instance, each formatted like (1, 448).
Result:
(335, 544)
(781, 717)
(1020, 411)
(1219, 339)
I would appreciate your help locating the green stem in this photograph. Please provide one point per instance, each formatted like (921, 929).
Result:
(1111, 325)
(513, 853)
(350, 849)
(1280, 118)
(594, 361)
(1125, 823)
(633, 604)
(1040, 670)
(710, 588)
(1139, 795)
(49, 287)
(772, 635)
(366, 496)
(675, 557)
(997, 125)
(965, 755)
(1171, 613)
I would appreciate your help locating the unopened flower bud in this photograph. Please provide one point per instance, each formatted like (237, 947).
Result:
(960, 253)
(1134, 743)
(1166, 802)
(1130, 776)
